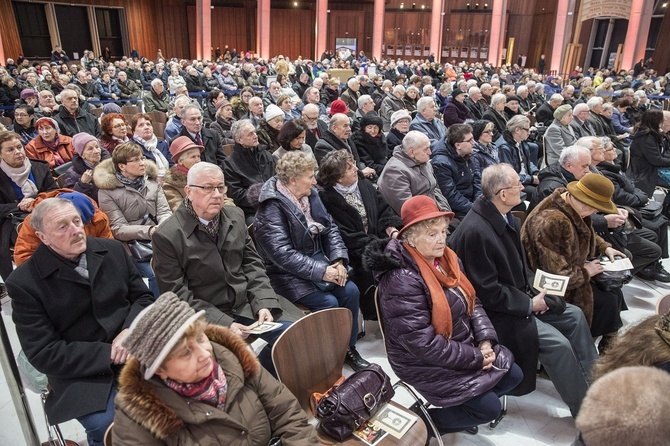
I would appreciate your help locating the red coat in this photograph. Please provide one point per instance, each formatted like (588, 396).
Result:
(37, 150)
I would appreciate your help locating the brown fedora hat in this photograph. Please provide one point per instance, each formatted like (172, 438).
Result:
(596, 191)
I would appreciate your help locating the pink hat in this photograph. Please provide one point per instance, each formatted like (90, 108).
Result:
(80, 140)
(181, 145)
(338, 106)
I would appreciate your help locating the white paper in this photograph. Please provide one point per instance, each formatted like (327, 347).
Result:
(554, 284)
(255, 328)
(617, 265)
(393, 420)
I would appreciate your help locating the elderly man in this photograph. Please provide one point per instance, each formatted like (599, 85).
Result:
(514, 150)
(545, 112)
(195, 131)
(351, 94)
(157, 99)
(72, 304)
(87, 88)
(427, 123)
(249, 164)
(391, 103)
(205, 255)
(175, 125)
(313, 96)
(73, 119)
(256, 111)
(580, 121)
(408, 173)
(473, 102)
(128, 88)
(47, 105)
(273, 93)
(532, 324)
(316, 127)
(365, 106)
(338, 136)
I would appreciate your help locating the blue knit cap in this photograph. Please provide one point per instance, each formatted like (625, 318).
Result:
(82, 203)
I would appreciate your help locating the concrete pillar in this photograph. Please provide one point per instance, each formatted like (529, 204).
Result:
(497, 32)
(378, 29)
(436, 23)
(203, 29)
(263, 29)
(637, 34)
(321, 28)
(560, 32)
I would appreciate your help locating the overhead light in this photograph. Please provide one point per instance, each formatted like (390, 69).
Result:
(295, 3)
(423, 6)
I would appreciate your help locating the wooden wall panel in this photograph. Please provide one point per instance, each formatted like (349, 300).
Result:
(9, 33)
(229, 27)
(173, 36)
(292, 32)
(661, 53)
(347, 24)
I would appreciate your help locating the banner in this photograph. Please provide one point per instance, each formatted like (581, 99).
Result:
(592, 9)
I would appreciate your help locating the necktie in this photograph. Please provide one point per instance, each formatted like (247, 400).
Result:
(198, 139)
(82, 267)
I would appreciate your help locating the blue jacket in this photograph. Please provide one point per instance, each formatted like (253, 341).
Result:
(436, 131)
(459, 182)
(509, 154)
(105, 91)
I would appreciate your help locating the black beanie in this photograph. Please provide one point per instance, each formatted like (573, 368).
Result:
(478, 128)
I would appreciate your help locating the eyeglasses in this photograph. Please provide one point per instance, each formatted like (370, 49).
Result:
(470, 141)
(118, 126)
(210, 189)
(518, 185)
(137, 160)
(527, 129)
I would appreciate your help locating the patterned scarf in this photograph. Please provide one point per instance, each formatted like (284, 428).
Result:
(136, 184)
(21, 177)
(353, 198)
(212, 228)
(303, 204)
(211, 390)
(445, 273)
(53, 147)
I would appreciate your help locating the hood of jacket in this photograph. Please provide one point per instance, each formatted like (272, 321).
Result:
(138, 398)
(557, 172)
(175, 177)
(104, 174)
(384, 255)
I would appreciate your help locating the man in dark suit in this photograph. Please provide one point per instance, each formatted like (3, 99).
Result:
(316, 128)
(72, 303)
(545, 113)
(196, 132)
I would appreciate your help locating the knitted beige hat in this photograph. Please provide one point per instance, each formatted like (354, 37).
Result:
(628, 406)
(157, 329)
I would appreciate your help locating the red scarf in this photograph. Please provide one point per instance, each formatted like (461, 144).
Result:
(211, 390)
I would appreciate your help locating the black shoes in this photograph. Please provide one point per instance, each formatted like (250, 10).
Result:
(354, 360)
(654, 271)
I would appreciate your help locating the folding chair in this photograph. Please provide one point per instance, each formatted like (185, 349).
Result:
(309, 357)
(663, 304)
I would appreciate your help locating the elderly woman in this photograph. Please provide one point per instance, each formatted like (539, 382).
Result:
(269, 127)
(20, 181)
(183, 368)
(485, 153)
(559, 134)
(303, 250)
(184, 153)
(400, 121)
(559, 239)
(438, 337)
(456, 112)
(209, 107)
(87, 156)
(115, 131)
(223, 121)
(495, 114)
(371, 143)
(292, 137)
(360, 212)
(9, 93)
(132, 198)
(175, 80)
(411, 96)
(286, 105)
(649, 152)
(152, 148)
(50, 145)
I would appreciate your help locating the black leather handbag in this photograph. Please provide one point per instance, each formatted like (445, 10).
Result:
(346, 407)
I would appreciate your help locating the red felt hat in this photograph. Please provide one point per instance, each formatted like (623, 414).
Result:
(420, 208)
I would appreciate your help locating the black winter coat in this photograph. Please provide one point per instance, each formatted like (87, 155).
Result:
(457, 178)
(213, 147)
(394, 139)
(329, 142)
(646, 156)
(508, 153)
(83, 122)
(495, 263)
(246, 167)
(373, 151)
(625, 192)
(286, 244)
(456, 113)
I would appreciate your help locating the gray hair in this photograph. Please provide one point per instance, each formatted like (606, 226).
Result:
(445, 88)
(412, 139)
(45, 209)
(236, 128)
(498, 97)
(521, 89)
(336, 119)
(571, 154)
(422, 103)
(156, 81)
(556, 97)
(594, 102)
(199, 168)
(413, 88)
(640, 94)
(580, 108)
(427, 88)
(293, 164)
(587, 141)
(309, 107)
(516, 122)
(494, 178)
(363, 100)
(189, 106)
(473, 90)
(352, 81)
(399, 88)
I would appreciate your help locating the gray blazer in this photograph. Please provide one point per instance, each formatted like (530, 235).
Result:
(556, 138)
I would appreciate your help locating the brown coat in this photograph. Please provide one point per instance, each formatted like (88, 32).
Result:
(173, 187)
(558, 241)
(257, 406)
(37, 150)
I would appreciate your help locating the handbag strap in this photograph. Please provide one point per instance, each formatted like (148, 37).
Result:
(316, 397)
(147, 217)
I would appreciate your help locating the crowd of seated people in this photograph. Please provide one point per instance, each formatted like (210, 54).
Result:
(259, 198)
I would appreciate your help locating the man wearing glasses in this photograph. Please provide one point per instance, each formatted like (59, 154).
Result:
(456, 176)
(514, 150)
(316, 127)
(205, 255)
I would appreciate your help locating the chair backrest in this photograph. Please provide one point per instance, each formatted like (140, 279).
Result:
(158, 116)
(159, 129)
(60, 170)
(61, 180)
(107, 440)
(130, 109)
(309, 355)
(521, 215)
(6, 121)
(96, 111)
(228, 149)
(663, 304)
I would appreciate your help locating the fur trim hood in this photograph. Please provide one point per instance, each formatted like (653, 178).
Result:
(381, 256)
(139, 398)
(104, 175)
(175, 177)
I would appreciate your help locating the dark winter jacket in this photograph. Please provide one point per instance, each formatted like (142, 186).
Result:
(509, 153)
(394, 139)
(484, 156)
(246, 167)
(74, 173)
(456, 113)
(625, 192)
(373, 151)
(286, 244)
(446, 371)
(435, 130)
(498, 120)
(71, 125)
(329, 142)
(457, 178)
(646, 156)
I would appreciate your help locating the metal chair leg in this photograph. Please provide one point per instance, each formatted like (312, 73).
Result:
(503, 412)
(420, 403)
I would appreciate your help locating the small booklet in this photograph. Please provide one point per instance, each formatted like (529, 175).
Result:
(620, 264)
(393, 420)
(257, 328)
(553, 283)
(370, 434)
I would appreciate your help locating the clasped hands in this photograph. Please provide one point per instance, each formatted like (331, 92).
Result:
(336, 273)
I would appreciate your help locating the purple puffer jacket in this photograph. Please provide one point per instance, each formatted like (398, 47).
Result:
(447, 372)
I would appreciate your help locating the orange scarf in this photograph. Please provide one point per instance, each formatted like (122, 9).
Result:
(452, 277)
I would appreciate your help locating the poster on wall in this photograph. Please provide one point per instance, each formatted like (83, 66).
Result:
(417, 50)
(426, 51)
(484, 53)
(390, 50)
(408, 50)
(398, 50)
(464, 52)
(445, 51)
(473, 52)
(454, 52)
(345, 47)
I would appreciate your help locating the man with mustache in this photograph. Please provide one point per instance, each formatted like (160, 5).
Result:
(72, 303)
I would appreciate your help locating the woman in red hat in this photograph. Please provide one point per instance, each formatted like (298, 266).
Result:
(438, 337)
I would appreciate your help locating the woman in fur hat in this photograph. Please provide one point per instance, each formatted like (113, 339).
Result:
(371, 143)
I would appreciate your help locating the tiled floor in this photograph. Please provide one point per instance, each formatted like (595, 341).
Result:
(540, 418)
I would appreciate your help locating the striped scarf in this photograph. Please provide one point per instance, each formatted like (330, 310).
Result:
(211, 390)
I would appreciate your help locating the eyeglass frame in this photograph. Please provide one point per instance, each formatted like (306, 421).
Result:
(209, 190)
(519, 186)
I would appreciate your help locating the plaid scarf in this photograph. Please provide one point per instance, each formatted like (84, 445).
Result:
(211, 390)
(136, 184)
(212, 228)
